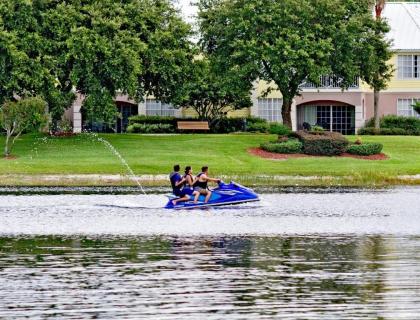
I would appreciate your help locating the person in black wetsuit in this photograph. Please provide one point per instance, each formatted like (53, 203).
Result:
(176, 181)
(187, 190)
(200, 185)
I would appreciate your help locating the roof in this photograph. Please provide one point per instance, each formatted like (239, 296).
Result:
(404, 20)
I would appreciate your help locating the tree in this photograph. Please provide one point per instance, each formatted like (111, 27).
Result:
(31, 54)
(376, 53)
(95, 48)
(21, 71)
(211, 93)
(21, 116)
(131, 47)
(286, 42)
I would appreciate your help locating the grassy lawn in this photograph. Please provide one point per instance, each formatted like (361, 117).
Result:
(225, 154)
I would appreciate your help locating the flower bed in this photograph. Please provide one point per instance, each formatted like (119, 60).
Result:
(283, 156)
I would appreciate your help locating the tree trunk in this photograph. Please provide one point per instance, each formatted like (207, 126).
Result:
(286, 112)
(376, 107)
(7, 145)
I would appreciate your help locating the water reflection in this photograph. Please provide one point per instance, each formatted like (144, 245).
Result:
(301, 277)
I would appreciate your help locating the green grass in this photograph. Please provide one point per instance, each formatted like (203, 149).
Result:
(224, 154)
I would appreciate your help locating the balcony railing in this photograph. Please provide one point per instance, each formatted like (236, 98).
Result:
(329, 82)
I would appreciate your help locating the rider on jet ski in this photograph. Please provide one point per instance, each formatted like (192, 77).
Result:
(186, 182)
(200, 185)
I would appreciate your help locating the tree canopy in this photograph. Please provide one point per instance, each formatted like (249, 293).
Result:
(287, 42)
(95, 48)
(210, 92)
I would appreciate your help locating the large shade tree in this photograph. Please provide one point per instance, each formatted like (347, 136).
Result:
(287, 42)
(96, 48)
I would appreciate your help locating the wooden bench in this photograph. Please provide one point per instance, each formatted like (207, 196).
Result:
(193, 125)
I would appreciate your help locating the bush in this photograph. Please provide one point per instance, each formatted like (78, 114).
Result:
(290, 146)
(388, 132)
(258, 127)
(323, 144)
(223, 125)
(410, 124)
(252, 120)
(279, 129)
(228, 125)
(150, 128)
(142, 119)
(317, 129)
(365, 149)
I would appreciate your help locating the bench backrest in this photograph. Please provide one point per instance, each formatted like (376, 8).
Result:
(193, 125)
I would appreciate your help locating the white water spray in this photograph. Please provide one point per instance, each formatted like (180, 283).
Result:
(111, 148)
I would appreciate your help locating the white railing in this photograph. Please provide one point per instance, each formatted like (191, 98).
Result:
(329, 82)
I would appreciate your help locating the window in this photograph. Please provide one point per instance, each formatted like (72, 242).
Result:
(409, 66)
(270, 109)
(157, 108)
(405, 108)
(331, 118)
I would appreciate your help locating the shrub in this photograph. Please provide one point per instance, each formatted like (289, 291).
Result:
(222, 125)
(228, 125)
(389, 131)
(317, 129)
(325, 144)
(416, 107)
(290, 146)
(279, 129)
(410, 124)
(150, 128)
(251, 120)
(258, 127)
(64, 125)
(365, 149)
(142, 119)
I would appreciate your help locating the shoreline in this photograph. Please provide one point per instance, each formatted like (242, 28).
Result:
(117, 180)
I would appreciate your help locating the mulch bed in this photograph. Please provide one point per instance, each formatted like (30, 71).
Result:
(10, 158)
(282, 156)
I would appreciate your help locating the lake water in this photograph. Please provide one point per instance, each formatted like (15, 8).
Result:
(296, 255)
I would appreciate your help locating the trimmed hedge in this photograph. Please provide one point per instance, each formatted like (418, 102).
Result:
(323, 144)
(388, 132)
(365, 149)
(150, 128)
(290, 146)
(223, 125)
(393, 125)
(141, 119)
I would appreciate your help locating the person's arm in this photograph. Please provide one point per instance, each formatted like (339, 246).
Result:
(180, 182)
(211, 179)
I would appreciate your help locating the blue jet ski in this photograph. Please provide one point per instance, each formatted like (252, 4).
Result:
(224, 194)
